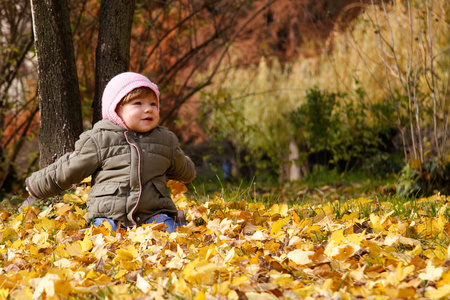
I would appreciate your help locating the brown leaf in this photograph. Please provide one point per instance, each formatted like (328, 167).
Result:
(4, 215)
(240, 293)
(132, 276)
(360, 227)
(418, 262)
(324, 271)
(99, 266)
(12, 268)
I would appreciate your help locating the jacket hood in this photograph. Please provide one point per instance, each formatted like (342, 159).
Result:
(108, 125)
(117, 88)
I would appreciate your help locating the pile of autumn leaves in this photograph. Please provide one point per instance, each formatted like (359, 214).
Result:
(231, 250)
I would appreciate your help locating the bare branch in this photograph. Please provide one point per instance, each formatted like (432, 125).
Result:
(217, 64)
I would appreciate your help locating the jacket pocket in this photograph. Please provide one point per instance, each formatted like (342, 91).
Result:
(161, 187)
(104, 189)
(103, 197)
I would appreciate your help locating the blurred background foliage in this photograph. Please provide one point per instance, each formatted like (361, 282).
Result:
(376, 100)
(370, 97)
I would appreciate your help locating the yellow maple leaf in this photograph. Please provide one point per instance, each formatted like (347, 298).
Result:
(86, 244)
(74, 223)
(175, 263)
(376, 224)
(296, 218)
(336, 238)
(143, 284)
(62, 289)
(87, 180)
(328, 284)
(442, 292)
(277, 225)
(313, 230)
(177, 187)
(430, 227)
(71, 198)
(64, 263)
(272, 246)
(351, 217)
(18, 244)
(416, 251)
(4, 294)
(126, 254)
(199, 272)
(34, 251)
(9, 235)
(260, 296)
(400, 293)
(445, 279)
(282, 209)
(45, 224)
(259, 235)
(439, 252)
(223, 288)
(200, 296)
(92, 274)
(344, 251)
(431, 273)
(356, 238)
(45, 284)
(231, 256)
(121, 291)
(300, 257)
(79, 211)
(182, 288)
(325, 210)
(239, 279)
(120, 274)
(62, 208)
(74, 249)
(181, 202)
(26, 293)
(404, 271)
(40, 238)
(256, 207)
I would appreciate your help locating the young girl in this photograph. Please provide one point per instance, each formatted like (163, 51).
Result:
(129, 156)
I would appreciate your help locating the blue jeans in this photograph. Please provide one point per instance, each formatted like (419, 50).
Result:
(161, 218)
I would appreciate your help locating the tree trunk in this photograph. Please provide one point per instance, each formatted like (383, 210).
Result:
(59, 94)
(113, 46)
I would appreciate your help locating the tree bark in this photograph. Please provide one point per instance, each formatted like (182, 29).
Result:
(113, 46)
(59, 94)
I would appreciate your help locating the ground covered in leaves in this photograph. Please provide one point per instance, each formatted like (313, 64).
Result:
(359, 249)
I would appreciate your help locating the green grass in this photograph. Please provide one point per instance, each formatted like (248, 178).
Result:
(318, 186)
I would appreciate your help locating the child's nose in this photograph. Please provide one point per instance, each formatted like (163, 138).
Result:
(148, 108)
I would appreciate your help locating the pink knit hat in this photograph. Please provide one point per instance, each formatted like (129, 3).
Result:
(119, 87)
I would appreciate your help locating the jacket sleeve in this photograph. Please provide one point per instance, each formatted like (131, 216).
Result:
(69, 169)
(182, 168)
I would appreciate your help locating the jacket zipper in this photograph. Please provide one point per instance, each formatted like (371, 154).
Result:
(139, 176)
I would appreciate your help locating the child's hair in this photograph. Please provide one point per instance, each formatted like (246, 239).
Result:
(136, 93)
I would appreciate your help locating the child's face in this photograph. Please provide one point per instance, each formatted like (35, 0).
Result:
(140, 114)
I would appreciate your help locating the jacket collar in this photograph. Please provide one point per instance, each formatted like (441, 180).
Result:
(108, 125)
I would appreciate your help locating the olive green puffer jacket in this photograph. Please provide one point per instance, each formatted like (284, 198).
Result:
(129, 172)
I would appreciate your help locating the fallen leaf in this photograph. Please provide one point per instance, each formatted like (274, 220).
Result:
(300, 257)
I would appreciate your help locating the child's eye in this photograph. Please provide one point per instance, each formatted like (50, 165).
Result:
(153, 104)
(137, 103)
